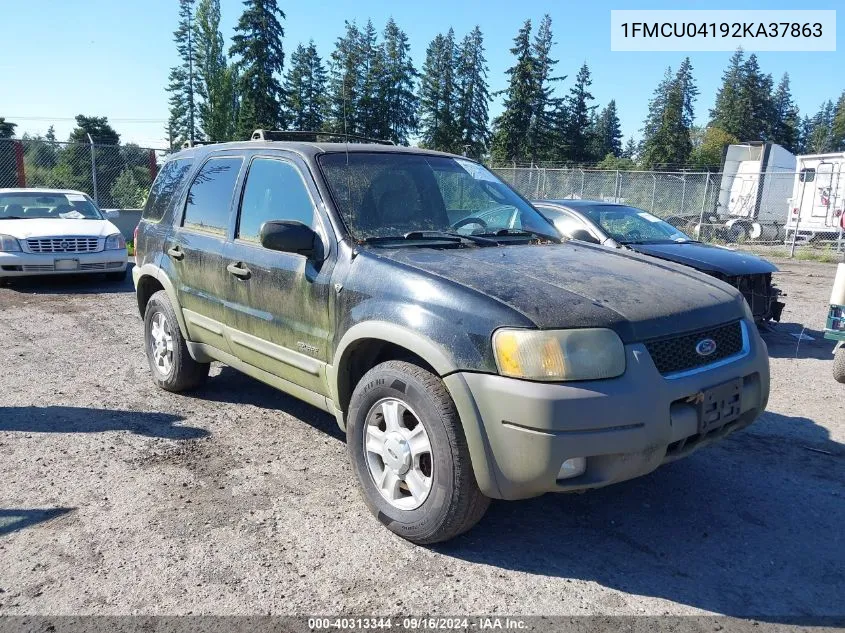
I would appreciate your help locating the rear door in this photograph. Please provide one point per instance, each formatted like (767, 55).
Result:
(279, 302)
(195, 248)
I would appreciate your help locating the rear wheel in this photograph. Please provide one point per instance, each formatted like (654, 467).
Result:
(839, 365)
(172, 367)
(409, 453)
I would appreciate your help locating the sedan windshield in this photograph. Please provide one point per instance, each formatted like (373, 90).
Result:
(629, 225)
(382, 195)
(26, 205)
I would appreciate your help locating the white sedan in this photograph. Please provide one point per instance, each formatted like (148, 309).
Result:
(57, 231)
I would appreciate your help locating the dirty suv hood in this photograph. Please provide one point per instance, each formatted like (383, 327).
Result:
(568, 286)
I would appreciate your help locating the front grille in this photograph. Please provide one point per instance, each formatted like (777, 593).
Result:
(38, 268)
(96, 266)
(678, 353)
(63, 244)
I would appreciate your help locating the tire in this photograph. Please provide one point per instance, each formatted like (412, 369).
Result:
(180, 372)
(453, 503)
(839, 364)
(121, 276)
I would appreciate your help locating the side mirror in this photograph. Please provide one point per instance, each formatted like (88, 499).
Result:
(289, 236)
(111, 214)
(583, 235)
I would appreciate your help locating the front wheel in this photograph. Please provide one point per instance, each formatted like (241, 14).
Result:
(410, 455)
(839, 364)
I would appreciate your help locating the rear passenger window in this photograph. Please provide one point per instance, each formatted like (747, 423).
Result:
(210, 195)
(274, 191)
(166, 186)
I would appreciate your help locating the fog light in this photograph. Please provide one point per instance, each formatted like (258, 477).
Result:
(572, 467)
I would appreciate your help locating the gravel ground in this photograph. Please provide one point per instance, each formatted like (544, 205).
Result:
(120, 498)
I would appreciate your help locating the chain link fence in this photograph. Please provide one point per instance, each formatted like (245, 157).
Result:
(115, 176)
(766, 209)
(784, 208)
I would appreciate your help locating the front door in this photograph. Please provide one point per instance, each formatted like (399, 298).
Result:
(279, 302)
(196, 247)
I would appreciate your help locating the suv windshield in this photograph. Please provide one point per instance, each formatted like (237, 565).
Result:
(390, 194)
(25, 205)
(627, 225)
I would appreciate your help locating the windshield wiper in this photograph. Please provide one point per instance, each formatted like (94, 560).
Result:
(12, 217)
(519, 233)
(446, 236)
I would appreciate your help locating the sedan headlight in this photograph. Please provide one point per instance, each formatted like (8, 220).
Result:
(583, 354)
(9, 244)
(115, 242)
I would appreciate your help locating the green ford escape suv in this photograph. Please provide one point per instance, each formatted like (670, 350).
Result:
(466, 349)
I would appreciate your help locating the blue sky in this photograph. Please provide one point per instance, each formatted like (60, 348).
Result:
(101, 57)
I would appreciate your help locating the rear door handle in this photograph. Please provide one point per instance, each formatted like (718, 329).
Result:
(176, 253)
(239, 270)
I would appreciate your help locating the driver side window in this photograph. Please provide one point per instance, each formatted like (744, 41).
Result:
(274, 191)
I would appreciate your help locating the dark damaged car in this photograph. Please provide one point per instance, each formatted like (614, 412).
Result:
(623, 226)
(465, 359)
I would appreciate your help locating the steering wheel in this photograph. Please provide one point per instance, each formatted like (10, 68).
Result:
(634, 236)
(470, 220)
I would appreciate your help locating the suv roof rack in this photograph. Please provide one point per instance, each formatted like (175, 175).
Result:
(189, 143)
(309, 136)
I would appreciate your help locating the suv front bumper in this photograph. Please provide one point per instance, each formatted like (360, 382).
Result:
(520, 432)
(20, 264)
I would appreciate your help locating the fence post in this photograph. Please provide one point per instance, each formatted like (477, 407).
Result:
(683, 191)
(93, 168)
(703, 205)
(20, 167)
(616, 184)
(582, 183)
(153, 165)
(653, 191)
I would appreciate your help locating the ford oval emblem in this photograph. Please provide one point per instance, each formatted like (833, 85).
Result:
(705, 347)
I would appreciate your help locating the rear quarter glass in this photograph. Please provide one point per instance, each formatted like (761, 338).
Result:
(167, 185)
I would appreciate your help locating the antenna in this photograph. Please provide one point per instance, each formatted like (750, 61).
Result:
(346, 149)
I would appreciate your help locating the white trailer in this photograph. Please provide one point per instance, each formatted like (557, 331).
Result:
(817, 204)
(757, 180)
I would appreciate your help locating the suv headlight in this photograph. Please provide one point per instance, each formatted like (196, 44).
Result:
(9, 244)
(115, 242)
(583, 354)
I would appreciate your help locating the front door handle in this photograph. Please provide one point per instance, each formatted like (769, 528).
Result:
(239, 270)
(176, 253)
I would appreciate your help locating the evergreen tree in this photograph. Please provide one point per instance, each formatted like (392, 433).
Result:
(344, 85)
(473, 95)
(667, 141)
(215, 78)
(838, 125)
(756, 94)
(305, 89)
(579, 114)
(784, 127)
(728, 113)
(805, 129)
(819, 139)
(182, 121)
(630, 150)
(397, 86)
(7, 128)
(99, 129)
(370, 111)
(607, 133)
(511, 127)
(541, 130)
(438, 96)
(656, 108)
(257, 43)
